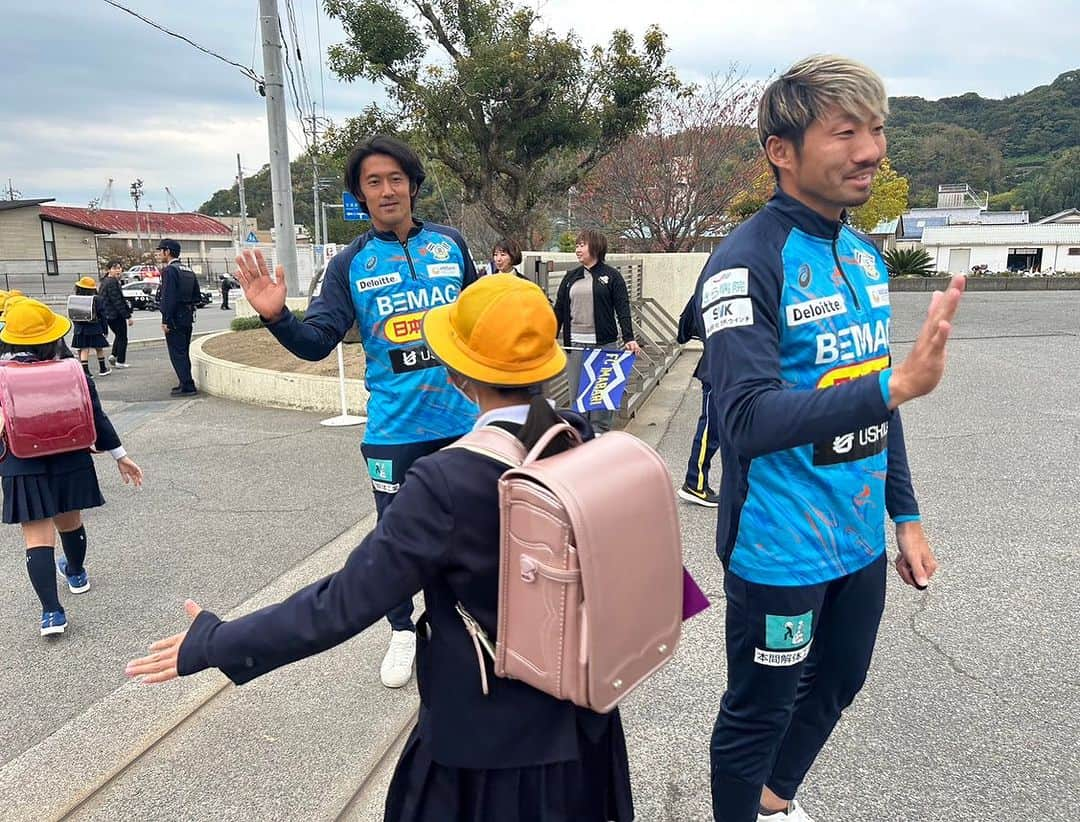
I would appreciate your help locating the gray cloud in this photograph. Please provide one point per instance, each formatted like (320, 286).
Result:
(92, 93)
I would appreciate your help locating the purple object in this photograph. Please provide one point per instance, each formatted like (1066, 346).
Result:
(693, 600)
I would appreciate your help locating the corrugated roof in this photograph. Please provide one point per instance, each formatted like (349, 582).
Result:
(1012, 235)
(886, 226)
(1053, 218)
(116, 221)
(8, 205)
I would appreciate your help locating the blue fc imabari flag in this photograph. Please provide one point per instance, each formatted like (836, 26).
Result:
(604, 375)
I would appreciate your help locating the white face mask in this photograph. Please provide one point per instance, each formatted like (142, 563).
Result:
(461, 391)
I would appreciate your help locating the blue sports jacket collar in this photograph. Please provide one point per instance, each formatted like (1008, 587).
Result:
(390, 236)
(802, 216)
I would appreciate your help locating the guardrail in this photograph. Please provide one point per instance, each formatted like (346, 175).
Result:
(654, 328)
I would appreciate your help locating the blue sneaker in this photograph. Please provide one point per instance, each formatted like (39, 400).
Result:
(77, 583)
(53, 622)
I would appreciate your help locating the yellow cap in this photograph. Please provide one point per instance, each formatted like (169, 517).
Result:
(501, 331)
(87, 282)
(28, 322)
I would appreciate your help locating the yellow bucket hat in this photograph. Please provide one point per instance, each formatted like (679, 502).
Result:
(9, 300)
(28, 322)
(501, 331)
(87, 282)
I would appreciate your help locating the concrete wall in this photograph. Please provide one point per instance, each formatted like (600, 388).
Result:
(244, 309)
(261, 386)
(1054, 257)
(668, 278)
(22, 248)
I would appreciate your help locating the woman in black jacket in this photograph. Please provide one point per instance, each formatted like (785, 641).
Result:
(117, 312)
(590, 299)
(48, 494)
(516, 753)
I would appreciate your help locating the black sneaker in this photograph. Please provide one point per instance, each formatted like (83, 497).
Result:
(708, 498)
(176, 389)
(188, 392)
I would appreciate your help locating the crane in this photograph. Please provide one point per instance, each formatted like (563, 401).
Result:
(106, 198)
(174, 203)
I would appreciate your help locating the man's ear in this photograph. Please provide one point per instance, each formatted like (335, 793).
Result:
(781, 152)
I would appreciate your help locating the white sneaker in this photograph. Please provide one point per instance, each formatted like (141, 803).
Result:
(795, 813)
(397, 665)
(112, 360)
(120, 365)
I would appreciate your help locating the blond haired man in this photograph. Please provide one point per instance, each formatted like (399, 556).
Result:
(794, 311)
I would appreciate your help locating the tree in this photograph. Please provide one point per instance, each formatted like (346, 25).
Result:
(1055, 188)
(888, 199)
(515, 112)
(753, 198)
(909, 262)
(674, 183)
(933, 154)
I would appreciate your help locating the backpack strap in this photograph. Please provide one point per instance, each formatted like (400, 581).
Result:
(495, 443)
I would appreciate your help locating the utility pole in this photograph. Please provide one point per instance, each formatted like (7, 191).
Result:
(277, 126)
(243, 201)
(136, 195)
(315, 174)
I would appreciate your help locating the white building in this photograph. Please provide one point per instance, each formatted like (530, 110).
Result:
(1052, 244)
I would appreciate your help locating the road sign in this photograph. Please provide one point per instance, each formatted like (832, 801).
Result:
(353, 210)
(251, 239)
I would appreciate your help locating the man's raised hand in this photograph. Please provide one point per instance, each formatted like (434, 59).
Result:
(922, 369)
(264, 294)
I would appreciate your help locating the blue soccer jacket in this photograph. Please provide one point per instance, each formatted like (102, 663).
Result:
(795, 317)
(386, 287)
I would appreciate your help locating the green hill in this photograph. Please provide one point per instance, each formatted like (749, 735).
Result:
(1003, 146)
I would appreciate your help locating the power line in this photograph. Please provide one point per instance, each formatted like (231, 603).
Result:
(322, 59)
(247, 72)
(292, 85)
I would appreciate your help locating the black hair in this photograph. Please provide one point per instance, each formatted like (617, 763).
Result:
(113, 263)
(510, 248)
(55, 350)
(390, 147)
(84, 291)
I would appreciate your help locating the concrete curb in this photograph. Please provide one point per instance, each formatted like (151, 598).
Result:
(138, 345)
(132, 719)
(245, 383)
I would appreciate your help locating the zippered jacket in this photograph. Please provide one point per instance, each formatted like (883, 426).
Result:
(795, 312)
(385, 287)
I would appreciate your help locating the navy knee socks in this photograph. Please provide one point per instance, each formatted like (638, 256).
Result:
(74, 543)
(42, 572)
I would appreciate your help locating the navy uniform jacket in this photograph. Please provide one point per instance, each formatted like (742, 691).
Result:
(441, 535)
(795, 312)
(107, 440)
(179, 294)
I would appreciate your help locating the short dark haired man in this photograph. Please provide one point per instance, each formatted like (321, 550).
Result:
(794, 309)
(178, 295)
(117, 313)
(384, 281)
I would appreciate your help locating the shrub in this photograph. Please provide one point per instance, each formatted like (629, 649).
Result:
(903, 262)
(250, 323)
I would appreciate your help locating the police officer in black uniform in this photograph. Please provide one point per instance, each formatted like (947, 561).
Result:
(178, 294)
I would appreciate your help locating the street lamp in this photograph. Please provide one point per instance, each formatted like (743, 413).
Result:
(136, 195)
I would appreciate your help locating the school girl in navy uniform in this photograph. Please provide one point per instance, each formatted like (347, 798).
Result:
(48, 494)
(517, 754)
(91, 334)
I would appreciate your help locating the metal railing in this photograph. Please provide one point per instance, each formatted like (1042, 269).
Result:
(654, 328)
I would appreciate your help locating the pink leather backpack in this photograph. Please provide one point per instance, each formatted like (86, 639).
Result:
(590, 568)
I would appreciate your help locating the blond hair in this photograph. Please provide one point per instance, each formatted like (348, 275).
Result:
(807, 90)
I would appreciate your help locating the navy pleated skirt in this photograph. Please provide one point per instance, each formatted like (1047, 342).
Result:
(29, 497)
(595, 788)
(92, 339)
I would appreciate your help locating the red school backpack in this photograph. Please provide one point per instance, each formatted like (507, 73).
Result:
(46, 408)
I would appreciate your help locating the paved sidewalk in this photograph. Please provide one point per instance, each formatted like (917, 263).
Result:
(971, 710)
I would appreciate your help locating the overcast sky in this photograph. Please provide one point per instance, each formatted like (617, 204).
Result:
(88, 92)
